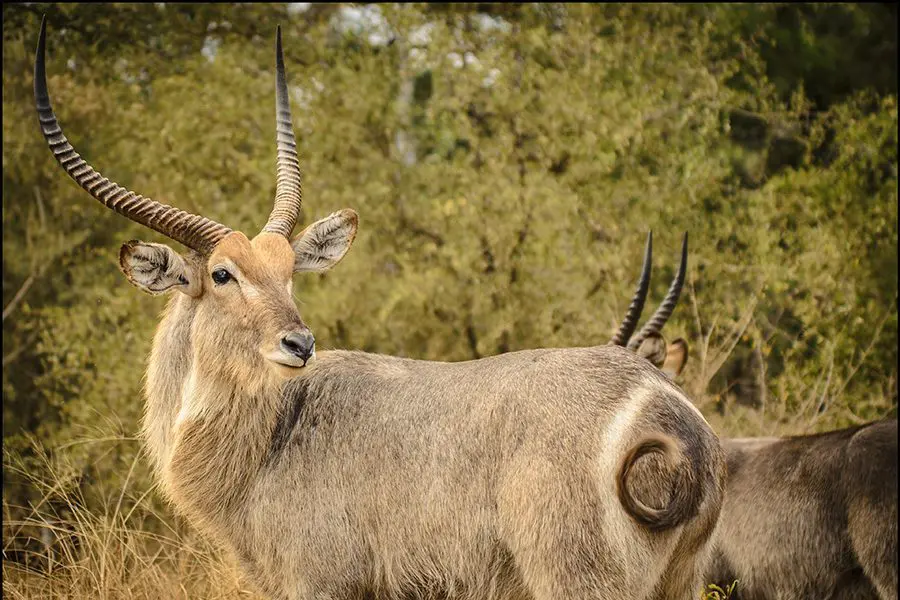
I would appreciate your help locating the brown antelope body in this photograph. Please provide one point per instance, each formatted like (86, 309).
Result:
(554, 473)
(811, 516)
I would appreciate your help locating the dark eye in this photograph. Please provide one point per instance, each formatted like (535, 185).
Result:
(221, 276)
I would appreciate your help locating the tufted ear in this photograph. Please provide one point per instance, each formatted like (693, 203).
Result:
(324, 243)
(156, 268)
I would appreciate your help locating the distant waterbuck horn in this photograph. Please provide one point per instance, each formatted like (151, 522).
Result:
(552, 473)
(649, 342)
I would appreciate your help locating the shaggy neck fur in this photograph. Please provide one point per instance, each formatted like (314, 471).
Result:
(208, 417)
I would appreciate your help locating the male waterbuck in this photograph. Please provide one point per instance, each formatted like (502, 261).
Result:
(553, 473)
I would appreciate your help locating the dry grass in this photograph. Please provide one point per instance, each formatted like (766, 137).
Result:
(795, 403)
(124, 549)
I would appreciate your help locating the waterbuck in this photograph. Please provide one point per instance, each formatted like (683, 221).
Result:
(552, 473)
(811, 516)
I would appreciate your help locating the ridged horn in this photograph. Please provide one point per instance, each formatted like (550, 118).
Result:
(665, 309)
(288, 192)
(193, 231)
(640, 296)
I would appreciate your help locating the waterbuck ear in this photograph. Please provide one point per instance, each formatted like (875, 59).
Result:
(156, 268)
(322, 244)
(676, 358)
(653, 348)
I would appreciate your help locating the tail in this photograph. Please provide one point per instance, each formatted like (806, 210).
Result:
(656, 471)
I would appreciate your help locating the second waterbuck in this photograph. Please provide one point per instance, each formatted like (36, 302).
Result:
(553, 473)
(812, 516)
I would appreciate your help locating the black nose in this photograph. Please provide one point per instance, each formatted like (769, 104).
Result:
(300, 345)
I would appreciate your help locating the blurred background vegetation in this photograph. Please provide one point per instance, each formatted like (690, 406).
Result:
(506, 162)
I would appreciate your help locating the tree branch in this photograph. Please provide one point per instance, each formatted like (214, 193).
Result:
(11, 306)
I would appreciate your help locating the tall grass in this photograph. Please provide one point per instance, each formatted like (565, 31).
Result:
(118, 547)
(800, 400)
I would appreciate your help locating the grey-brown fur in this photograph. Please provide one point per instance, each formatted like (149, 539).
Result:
(811, 516)
(493, 478)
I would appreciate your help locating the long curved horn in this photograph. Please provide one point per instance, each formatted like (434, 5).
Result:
(288, 192)
(665, 309)
(640, 296)
(193, 231)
